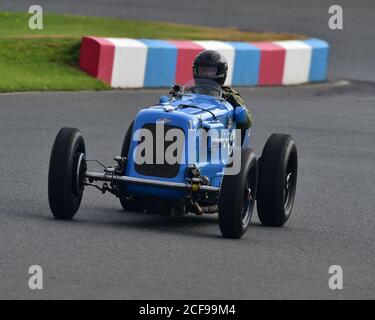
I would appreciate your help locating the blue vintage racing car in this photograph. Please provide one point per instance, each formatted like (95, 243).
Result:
(185, 154)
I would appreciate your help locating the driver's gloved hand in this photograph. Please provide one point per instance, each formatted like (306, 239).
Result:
(175, 89)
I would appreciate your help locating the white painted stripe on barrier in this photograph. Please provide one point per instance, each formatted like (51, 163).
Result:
(297, 61)
(226, 50)
(129, 63)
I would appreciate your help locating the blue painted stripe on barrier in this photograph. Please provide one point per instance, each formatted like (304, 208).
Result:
(246, 64)
(319, 59)
(161, 63)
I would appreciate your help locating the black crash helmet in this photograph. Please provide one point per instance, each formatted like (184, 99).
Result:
(210, 64)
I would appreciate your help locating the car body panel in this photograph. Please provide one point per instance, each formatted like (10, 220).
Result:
(188, 112)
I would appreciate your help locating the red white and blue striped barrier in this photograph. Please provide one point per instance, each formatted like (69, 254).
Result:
(136, 63)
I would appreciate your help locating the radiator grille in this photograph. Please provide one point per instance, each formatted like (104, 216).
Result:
(164, 170)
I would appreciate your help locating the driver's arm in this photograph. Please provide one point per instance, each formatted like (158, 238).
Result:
(235, 99)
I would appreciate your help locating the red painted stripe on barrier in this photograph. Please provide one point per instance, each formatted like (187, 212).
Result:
(187, 51)
(272, 60)
(89, 56)
(96, 57)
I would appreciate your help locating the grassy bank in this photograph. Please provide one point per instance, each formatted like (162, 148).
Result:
(42, 65)
(33, 60)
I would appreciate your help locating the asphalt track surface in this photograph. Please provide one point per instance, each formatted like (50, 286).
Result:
(108, 253)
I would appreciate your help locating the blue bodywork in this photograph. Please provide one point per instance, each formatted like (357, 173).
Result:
(206, 112)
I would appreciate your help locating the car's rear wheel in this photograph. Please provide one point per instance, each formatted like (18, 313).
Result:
(66, 175)
(130, 202)
(237, 197)
(277, 180)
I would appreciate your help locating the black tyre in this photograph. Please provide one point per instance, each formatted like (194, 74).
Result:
(67, 169)
(130, 203)
(237, 197)
(277, 180)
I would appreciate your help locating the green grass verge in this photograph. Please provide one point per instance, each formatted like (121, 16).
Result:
(33, 60)
(43, 65)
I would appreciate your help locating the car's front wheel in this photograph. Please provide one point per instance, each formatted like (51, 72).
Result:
(237, 197)
(66, 175)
